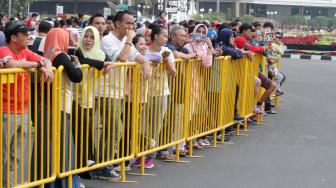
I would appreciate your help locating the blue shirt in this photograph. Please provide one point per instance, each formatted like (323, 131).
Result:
(173, 48)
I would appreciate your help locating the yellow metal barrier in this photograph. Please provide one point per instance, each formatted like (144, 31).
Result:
(161, 105)
(27, 130)
(94, 122)
(112, 118)
(206, 97)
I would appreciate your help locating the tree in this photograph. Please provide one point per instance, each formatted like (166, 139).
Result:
(17, 6)
(210, 17)
(294, 21)
(248, 19)
(320, 22)
(332, 22)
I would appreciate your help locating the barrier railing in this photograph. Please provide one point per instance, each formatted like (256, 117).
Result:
(115, 117)
(27, 130)
(95, 119)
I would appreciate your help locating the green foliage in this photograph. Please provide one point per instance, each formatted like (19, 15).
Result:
(319, 22)
(210, 17)
(332, 22)
(248, 19)
(17, 6)
(294, 21)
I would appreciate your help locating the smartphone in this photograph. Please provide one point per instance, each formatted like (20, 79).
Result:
(198, 37)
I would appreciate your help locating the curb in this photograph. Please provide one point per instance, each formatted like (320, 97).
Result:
(309, 57)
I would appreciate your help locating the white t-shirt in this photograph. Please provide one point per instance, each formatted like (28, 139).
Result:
(41, 47)
(112, 47)
(159, 82)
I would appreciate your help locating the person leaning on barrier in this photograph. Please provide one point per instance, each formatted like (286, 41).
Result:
(176, 44)
(229, 45)
(56, 46)
(89, 53)
(118, 46)
(16, 55)
(266, 83)
(201, 45)
(159, 89)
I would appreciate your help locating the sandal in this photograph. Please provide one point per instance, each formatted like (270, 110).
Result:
(197, 146)
(183, 152)
(169, 156)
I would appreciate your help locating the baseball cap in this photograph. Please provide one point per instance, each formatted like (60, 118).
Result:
(14, 27)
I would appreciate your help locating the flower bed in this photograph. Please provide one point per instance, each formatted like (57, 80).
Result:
(308, 40)
(302, 38)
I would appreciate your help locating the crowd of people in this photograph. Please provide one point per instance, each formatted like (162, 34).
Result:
(100, 42)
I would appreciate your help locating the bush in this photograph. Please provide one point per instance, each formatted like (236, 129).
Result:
(248, 19)
(210, 17)
(294, 21)
(319, 22)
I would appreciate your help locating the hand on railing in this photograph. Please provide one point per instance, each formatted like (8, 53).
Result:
(46, 70)
(47, 73)
(193, 55)
(146, 70)
(218, 52)
(250, 55)
(108, 66)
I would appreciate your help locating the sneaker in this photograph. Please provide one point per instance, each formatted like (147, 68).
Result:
(106, 173)
(118, 168)
(136, 163)
(252, 121)
(271, 112)
(258, 109)
(200, 142)
(238, 118)
(206, 142)
(81, 185)
(149, 163)
(279, 93)
(90, 163)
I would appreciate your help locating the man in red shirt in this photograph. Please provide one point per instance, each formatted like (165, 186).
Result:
(242, 40)
(31, 22)
(15, 96)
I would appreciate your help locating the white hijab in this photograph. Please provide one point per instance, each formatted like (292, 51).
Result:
(95, 52)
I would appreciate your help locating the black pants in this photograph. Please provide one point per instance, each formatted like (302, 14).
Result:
(236, 100)
(84, 138)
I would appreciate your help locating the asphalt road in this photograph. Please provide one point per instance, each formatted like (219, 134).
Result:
(295, 149)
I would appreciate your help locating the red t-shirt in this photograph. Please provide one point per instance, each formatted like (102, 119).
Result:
(28, 22)
(241, 42)
(27, 55)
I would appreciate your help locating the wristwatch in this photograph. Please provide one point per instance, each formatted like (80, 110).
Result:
(39, 65)
(4, 61)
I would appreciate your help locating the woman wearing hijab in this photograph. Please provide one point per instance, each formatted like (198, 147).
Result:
(56, 45)
(202, 46)
(88, 52)
(229, 49)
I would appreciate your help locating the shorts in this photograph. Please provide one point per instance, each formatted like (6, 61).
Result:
(265, 82)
